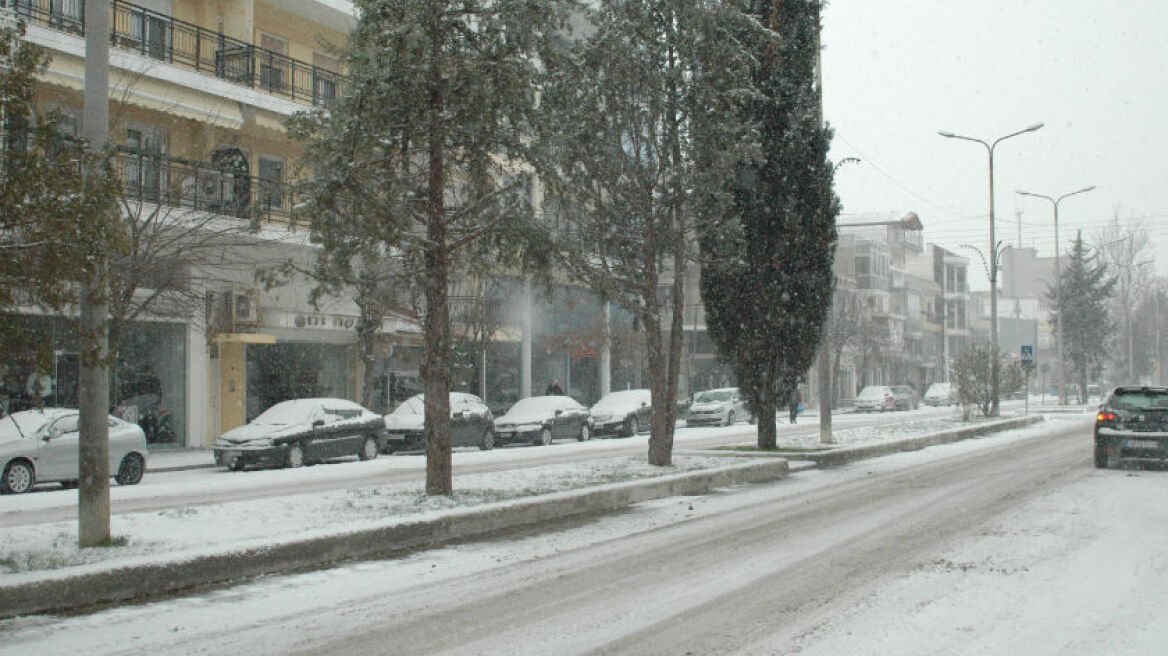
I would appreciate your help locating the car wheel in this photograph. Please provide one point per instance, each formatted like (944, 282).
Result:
(294, 457)
(369, 449)
(1114, 461)
(18, 478)
(585, 434)
(488, 441)
(131, 470)
(634, 426)
(1100, 457)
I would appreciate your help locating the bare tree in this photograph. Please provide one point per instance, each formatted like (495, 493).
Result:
(1125, 247)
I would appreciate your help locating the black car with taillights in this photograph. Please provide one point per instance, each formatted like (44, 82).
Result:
(1132, 426)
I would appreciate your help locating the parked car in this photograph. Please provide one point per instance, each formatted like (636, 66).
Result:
(1132, 426)
(720, 407)
(941, 394)
(471, 423)
(541, 419)
(875, 398)
(904, 397)
(622, 413)
(41, 446)
(302, 431)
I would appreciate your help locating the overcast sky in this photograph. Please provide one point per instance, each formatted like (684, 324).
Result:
(897, 71)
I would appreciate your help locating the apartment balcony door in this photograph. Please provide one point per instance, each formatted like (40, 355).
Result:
(144, 173)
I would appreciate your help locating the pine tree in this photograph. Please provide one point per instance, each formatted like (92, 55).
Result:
(1087, 324)
(767, 265)
(647, 101)
(426, 157)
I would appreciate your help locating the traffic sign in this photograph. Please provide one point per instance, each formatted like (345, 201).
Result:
(1027, 354)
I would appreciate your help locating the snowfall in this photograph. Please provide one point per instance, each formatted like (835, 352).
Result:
(1016, 586)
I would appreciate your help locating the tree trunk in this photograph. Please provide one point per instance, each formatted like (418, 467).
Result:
(436, 365)
(767, 430)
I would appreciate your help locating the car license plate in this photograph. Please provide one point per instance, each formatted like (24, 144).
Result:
(1143, 444)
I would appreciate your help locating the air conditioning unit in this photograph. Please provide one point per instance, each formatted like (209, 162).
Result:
(242, 305)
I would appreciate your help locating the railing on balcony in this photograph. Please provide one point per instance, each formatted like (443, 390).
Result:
(158, 179)
(190, 46)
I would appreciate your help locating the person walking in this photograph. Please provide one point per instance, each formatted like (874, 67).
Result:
(794, 404)
(554, 389)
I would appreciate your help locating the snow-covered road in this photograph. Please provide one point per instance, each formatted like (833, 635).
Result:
(1010, 544)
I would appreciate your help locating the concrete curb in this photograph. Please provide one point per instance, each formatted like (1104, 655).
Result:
(133, 582)
(837, 457)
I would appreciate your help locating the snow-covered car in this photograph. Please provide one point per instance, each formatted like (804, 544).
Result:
(300, 431)
(875, 398)
(720, 407)
(471, 423)
(941, 394)
(541, 419)
(42, 446)
(622, 413)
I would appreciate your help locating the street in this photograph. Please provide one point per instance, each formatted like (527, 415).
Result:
(794, 566)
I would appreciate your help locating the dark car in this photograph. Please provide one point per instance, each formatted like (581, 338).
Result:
(904, 397)
(471, 423)
(300, 431)
(1132, 426)
(541, 419)
(622, 413)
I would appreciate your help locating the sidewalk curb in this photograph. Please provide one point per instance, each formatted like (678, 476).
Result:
(70, 591)
(842, 456)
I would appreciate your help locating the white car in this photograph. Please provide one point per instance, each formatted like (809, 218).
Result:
(622, 413)
(720, 407)
(875, 398)
(941, 394)
(42, 446)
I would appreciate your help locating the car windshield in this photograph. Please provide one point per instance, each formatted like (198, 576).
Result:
(285, 413)
(23, 424)
(1140, 400)
(536, 405)
(622, 399)
(713, 396)
(938, 389)
(872, 393)
(415, 405)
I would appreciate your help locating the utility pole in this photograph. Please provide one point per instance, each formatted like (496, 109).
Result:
(824, 364)
(93, 488)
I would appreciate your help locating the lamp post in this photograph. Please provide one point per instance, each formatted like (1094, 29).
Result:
(825, 373)
(1058, 283)
(994, 366)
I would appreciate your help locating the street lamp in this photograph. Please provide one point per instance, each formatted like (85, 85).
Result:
(989, 146)
(1058, 284)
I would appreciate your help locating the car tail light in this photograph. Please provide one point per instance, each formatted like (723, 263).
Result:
(1106, 416)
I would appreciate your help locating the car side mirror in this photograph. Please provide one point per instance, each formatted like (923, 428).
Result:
(644, 403)
(318, 423)
(559, 412)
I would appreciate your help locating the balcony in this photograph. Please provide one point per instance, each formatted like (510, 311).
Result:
(224, 188)
(192, 47)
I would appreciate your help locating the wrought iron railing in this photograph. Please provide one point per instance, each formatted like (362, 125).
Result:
(200, 186)
(190, 46)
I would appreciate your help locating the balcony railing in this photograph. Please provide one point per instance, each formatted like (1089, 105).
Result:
(190, 46)
(177, 183)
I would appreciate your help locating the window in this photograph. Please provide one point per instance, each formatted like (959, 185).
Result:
(325, 73)
(144, 172)
(273, 62)
(271, 174)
